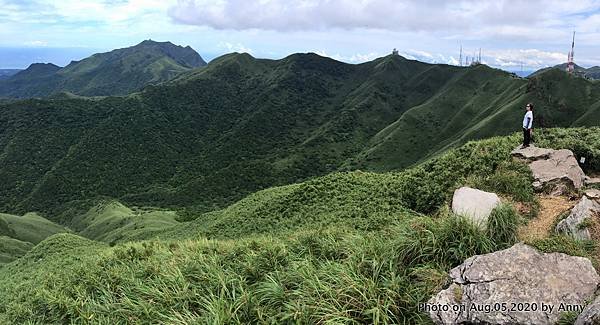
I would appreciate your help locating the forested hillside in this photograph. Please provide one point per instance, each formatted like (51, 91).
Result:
(213, 135)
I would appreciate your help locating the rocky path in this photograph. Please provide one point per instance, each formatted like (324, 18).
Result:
(521, 285)
(551, 208)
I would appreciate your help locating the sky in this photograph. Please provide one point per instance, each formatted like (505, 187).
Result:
(512, 35)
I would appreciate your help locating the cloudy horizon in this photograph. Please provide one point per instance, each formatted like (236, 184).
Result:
(511, 34)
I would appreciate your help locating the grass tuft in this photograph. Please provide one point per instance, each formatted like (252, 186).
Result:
(502, 226)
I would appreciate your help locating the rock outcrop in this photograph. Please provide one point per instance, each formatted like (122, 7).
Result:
(592, 180)
(531, 153)
(518, 285)
(575, 224)
(593, 194)
(554, 171)
(591, 314)
(474, 204)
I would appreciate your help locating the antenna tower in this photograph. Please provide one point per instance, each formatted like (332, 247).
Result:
(571, 63)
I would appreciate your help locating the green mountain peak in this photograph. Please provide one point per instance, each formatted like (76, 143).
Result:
(118, 72)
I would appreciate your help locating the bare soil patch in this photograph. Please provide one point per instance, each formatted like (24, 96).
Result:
(551, 207)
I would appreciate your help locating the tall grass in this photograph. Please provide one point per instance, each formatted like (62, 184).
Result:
(502, 226)
(338, 275)
(345, 248)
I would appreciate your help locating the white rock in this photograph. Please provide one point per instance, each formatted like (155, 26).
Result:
(474, 204)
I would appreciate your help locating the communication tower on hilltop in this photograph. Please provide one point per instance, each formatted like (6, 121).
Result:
(571, 63)
(476, 60)
(460, 56)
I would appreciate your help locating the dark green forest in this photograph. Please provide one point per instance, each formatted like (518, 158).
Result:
(213, 135)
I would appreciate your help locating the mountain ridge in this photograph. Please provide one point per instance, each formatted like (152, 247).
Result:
(592, 73)
(212, 135)
(118, 72)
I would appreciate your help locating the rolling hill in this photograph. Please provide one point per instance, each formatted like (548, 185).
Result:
(592, 73)
(18, 234)
(211, 136)
(118, 72)
(351, 247)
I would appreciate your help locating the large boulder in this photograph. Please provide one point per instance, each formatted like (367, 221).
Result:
(576, 224)
(518, 285)
(591, 314)
(474, 204)
(557, 174)
(531, 153)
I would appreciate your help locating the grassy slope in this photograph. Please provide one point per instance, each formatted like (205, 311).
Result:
(18, 234)
(318, 263)
(111, 222)
(366, 201)
(31, 227)
(479, 103)
(11, 249)
(214, 135)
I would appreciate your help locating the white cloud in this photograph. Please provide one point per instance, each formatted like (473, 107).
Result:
(354, 58)
(531, 58)
(234, 47)
(430, 15)
(428, 57)
(36, 43)
(72, 11)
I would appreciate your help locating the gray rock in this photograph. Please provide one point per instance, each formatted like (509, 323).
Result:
(592, 180)
(531, 153)
(510, 286)
(474, 204)
(591, 314)
(557, 174)
(574, 223)
(593, 194)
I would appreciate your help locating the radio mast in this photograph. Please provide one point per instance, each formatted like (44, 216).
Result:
(571, 63)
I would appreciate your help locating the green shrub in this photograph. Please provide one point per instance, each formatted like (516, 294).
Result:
(510, 178)
(502, 226)
(565, 244)
(584, 142)
(567, 318)
(445, 242)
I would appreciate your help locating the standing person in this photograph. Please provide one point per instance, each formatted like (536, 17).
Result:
(527, 125)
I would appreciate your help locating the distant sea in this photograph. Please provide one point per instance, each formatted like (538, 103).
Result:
(21, 58)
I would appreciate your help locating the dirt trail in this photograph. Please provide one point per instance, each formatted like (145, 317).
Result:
(550, 208)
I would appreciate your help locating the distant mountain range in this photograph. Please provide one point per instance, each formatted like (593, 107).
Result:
(118, 72)
(212, 135)
(7, 73)
(589, 73)
(522, 73)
